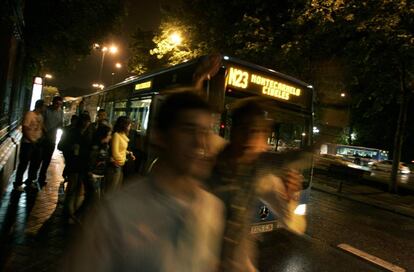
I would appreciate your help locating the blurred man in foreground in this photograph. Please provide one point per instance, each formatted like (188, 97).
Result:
(242, 176)
(165, 222)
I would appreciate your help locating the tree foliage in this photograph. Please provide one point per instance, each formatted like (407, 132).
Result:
(377, 44)
(141, 45)
(369, 44)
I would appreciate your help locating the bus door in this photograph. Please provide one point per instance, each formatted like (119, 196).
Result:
(139, 112)
(119, 109)
(151, 149)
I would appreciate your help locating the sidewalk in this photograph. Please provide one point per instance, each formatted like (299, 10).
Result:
(401, 204)
(33, 233)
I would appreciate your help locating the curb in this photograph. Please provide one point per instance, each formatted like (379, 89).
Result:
(399, 210)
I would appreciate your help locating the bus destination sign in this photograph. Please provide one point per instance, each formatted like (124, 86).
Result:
(143, 85)
(254, 82)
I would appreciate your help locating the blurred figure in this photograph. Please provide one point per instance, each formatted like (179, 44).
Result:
(240, 177)
(119, 152)
(30, 150)
(63, 143)
(137, 146)
(165, 222)
(53, 118)
(101, 119)
(99, 157)
(78, 142)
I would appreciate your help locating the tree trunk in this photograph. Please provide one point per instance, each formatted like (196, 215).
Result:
(400, 131)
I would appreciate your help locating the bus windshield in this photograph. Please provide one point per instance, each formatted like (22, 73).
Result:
(288, 131)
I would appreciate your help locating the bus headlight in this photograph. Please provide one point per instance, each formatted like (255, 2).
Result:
(300, 209)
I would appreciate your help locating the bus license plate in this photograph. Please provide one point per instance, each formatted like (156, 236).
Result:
(261, 228)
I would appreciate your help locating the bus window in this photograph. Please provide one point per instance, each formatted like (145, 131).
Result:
(109, 110)
(139, 115)
(288, 132)
(286, 137)
(121, 105)
(120, 109)
(117, 114)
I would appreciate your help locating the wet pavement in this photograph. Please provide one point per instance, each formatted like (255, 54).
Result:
(367, 192)
(335, 220)
(34, 235)
(284, 251)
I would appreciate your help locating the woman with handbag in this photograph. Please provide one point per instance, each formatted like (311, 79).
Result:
(119, 153)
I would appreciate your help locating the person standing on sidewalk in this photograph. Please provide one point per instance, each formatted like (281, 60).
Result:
(78, 141)
(119, 153)
(53, 119)
(30, 151)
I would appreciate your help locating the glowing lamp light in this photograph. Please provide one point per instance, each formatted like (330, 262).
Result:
(36, 91)
(353, 136)
(118, 65)
(113, 49)
(176, 38)
(343, 94)
(49, 76)
(38, 80)
(104, 49)
(222, 126)
(303, 134)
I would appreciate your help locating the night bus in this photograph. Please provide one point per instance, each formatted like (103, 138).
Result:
(287, 100)
(357, 154)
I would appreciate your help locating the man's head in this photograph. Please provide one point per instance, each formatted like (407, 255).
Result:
(40, 106)
(74, 120)
(83, 121)
(184, 131)
(57, 102)
(250, 128)
(101, 116)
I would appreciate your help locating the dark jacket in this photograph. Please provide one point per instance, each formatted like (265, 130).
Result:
(77, 148)
(98, 159)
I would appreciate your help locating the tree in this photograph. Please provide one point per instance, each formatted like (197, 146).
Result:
(378, 46)
(173, 43)
(142, 60)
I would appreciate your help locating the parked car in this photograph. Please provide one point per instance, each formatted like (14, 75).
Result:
(387, 167)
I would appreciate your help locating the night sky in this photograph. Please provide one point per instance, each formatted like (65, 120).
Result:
(140, 13)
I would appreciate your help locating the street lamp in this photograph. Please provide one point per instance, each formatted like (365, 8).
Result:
(118, 65)
(98, 86)
(176, 38)
(112, 49)
(48, 76)
(343, 94)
